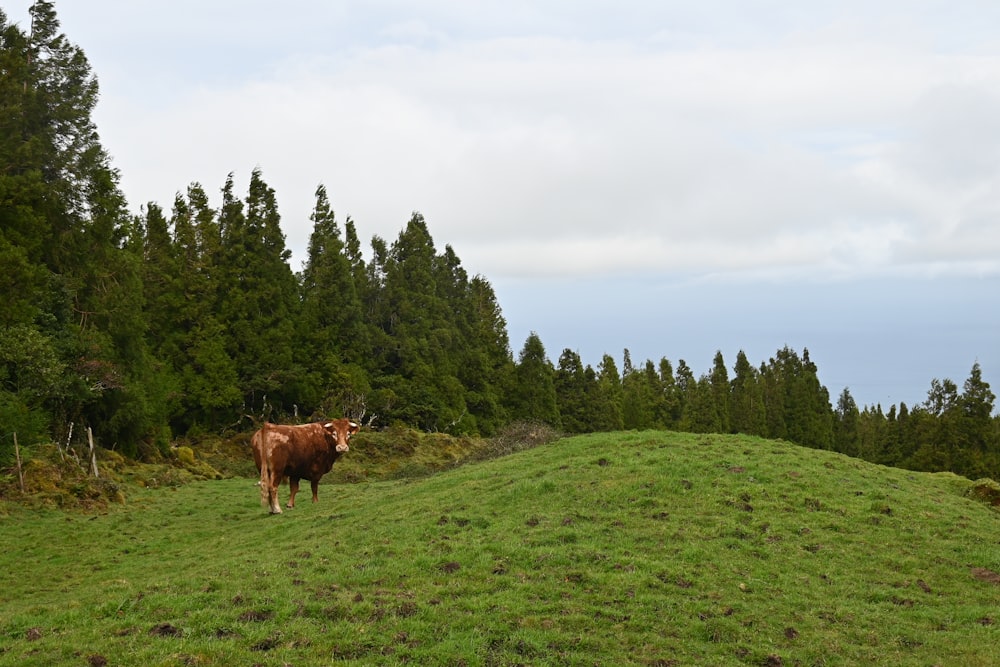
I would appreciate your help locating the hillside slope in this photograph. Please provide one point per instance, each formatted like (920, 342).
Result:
(630, 548)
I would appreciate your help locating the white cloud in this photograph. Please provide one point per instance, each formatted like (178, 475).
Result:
(665, 138)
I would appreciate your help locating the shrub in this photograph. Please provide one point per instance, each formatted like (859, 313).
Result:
(985, 490)
(518, 436)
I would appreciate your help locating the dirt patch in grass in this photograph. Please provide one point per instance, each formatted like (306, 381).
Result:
(165, 630)
(989, 576)
(266, 644)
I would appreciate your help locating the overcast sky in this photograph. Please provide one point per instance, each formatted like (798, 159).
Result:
(671, 177)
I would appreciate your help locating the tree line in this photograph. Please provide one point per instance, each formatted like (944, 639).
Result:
(188, 319)
(782, 398)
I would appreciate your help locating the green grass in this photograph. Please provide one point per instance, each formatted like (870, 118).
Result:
(613, 549)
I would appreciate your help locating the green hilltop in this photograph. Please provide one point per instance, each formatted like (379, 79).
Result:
(631, 548)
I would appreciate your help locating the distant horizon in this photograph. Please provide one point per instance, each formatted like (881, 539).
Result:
(876, 365)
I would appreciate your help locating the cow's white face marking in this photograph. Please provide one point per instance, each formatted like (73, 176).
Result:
(342, 447)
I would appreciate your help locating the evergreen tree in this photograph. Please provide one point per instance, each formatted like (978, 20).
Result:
(798, 406)
(488, 367)
(418, 332)
(533, 395)
(871, 433)
(701, 411)
(65, 234)
(258, 304)
(571, 392)
(456, 342)
(904, 436)
(977, 403)
(669, 407)
(845, 428)
(937, 429)
(210, 393)
(160, 273)
(746, 403)
(888, 453)
(638, 396)
(773, 388)
(719, 379)
(335, 345)
(654, 395)
(685, 382)
(608, 415)
(25, 230)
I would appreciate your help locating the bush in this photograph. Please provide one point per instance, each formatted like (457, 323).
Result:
(985, 490)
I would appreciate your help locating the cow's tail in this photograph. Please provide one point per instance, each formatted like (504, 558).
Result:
(265, 467)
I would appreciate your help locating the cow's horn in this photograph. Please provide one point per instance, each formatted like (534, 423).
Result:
(353, 425)
(328, 425)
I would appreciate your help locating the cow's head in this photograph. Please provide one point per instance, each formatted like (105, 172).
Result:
(341, 430)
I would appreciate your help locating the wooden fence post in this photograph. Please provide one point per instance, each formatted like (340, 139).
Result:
(93, 457)
(20, 472)
(68, 439)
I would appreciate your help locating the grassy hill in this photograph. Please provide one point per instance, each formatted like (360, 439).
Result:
(612, 549)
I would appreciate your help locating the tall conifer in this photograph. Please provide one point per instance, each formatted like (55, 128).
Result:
(533, 394)
(746, 404)
(258, 303)
(335, 343)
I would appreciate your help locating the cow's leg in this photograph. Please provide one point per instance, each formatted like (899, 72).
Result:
(275, 504)
(315, 488)
(269, 488)
(293, 488)
(272, 498)
(273, 494)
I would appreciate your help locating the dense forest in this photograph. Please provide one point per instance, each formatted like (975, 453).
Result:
(189, 320)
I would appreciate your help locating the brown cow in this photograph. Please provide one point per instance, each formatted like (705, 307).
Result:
(307, 451)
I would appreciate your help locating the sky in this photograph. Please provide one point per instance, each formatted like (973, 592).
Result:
(672, 178)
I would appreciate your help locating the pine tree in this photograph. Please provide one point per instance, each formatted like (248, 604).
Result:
(719, 380)
(533, 395)
(685, 387)
(258, 305)
(746, 406)
(977, 403)
(608, 416)
(639, 393)
(773, 387)
(845, 428)
(335, 345)
(888, 453)
(418, 341)
(25, 230)
(937, 425)
(65, 233)
(160, 272)
(653, 395)
(571, 392)
(487, 369)
(669, 407)
(210, 392)
(701, 411)
(798, 406)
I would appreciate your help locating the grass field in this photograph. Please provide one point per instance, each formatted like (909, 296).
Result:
(610, 549)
